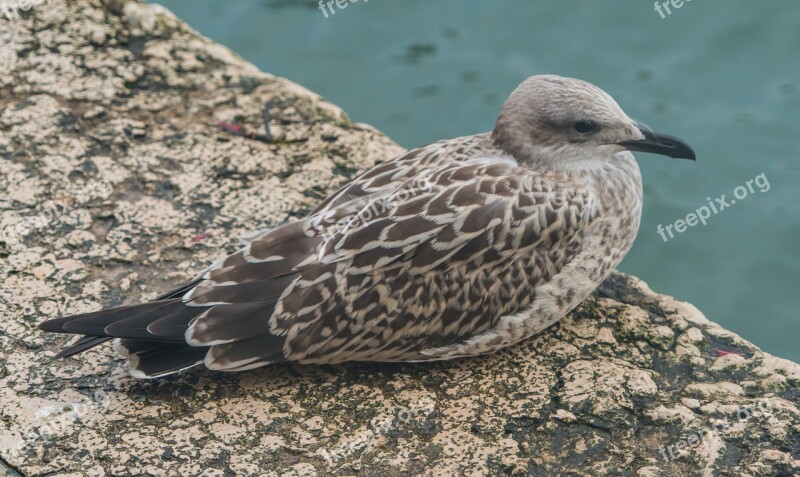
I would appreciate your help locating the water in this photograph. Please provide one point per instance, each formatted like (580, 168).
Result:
(725, 76)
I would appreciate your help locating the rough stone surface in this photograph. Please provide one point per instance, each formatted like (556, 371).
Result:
(116, 183)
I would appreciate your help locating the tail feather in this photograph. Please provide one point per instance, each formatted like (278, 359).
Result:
(138, 327)
(150, 354)
(95, 323)
(152, 336)
(228, 304)
(83, 344)
(149, 359)
(173, 324)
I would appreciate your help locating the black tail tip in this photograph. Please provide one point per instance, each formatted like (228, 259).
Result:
(51, 326)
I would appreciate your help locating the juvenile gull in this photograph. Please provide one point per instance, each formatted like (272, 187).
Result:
(455, 249)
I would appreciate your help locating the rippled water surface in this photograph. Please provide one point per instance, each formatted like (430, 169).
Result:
(725, 76)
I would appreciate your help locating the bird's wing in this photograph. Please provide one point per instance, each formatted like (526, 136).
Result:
(437, 261)
(440, 219)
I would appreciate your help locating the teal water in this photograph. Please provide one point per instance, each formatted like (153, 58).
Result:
(723, 75)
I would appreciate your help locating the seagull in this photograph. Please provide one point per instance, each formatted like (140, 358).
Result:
(455, 249)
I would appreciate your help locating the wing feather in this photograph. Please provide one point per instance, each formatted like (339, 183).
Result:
(476, 228)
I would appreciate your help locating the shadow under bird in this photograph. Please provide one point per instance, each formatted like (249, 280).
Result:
(455, 249)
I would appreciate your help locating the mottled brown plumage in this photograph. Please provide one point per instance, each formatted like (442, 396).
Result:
(454, 249)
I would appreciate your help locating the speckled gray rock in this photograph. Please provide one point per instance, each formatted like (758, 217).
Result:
(116, 183)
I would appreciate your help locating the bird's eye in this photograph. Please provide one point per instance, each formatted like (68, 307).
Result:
(584, 126)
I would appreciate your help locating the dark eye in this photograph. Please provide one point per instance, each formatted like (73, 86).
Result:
(584, 127)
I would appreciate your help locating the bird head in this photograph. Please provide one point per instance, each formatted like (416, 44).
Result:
(565, 123)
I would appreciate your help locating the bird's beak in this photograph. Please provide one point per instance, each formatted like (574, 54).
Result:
(659, 143)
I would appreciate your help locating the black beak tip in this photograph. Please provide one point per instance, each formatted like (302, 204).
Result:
(675, 148)
(662, 144)
(686, 153)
